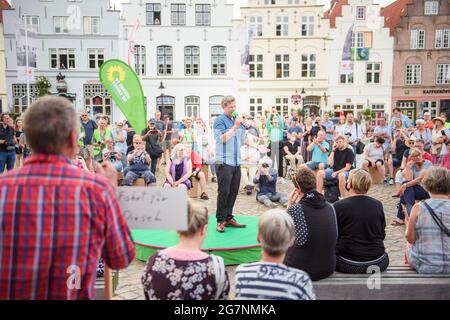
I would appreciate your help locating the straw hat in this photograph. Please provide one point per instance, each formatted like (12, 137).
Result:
(439, 119)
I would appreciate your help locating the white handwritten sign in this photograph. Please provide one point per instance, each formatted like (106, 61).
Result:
(154, 208)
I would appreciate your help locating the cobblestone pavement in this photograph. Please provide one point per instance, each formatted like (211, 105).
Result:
(130, 287)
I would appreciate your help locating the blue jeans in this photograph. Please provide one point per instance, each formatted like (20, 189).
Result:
(7, 158)
(409, 197)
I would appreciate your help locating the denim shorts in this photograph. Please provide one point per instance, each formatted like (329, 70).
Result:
(329, 172)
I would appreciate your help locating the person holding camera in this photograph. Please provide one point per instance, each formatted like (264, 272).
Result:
(152, 137)
(266, 178)
(139, 161)
(8, 143)
(113, 154)
(319, 149)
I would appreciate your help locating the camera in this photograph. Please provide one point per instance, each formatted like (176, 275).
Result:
(265, 165)
(9, 146)
(294, 119)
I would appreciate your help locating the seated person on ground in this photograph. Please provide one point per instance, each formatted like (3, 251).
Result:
(266, 178)
(411, 190)
(197, 173)
(293, 152)
(361, 227)
(178, 168)
(374, 156)
(319, 149)
(315, 228)
(185, 272)
(113, 154)
(139, 161)
(249, 165)
(340, 162)
(428, 228)
(270, 279)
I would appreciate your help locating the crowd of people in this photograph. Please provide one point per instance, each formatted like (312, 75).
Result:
(327, 223)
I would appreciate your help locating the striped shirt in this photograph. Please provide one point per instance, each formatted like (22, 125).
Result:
(431, 251)
(55, 223)
(272, 281)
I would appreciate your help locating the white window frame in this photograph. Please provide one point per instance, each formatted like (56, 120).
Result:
(91, 25)
(282, 105)
(202, 14)
(358, 39)
(255, 106)
(191, 61)
(256, 23)
(309, 65)
(140, 60)
(61, 24)
(164, 59)
(192, 106)
(153, 12)
(71, 57)
(360, 13)
(431, 7)
(345, 78)
(443, 73)
(282, 26)
(413, 74)
(219, 61)
(282, 62)
(442, 39)
(371, 68)
(99, 58)
(256, 66)
(307, 26)
(417, 40)
(178, 14)
(32, 21)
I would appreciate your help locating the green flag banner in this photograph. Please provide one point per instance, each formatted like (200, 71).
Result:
(125, 88)
(359, 54)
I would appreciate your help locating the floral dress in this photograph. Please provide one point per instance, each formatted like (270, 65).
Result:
(166, 278)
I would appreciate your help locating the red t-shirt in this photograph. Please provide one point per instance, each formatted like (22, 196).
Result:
(196, 160)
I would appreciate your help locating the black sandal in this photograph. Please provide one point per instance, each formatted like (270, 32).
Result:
(204, 196)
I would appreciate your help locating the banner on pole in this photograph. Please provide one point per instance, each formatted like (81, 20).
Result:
(23, 50)
(247, 33)
(125, 88)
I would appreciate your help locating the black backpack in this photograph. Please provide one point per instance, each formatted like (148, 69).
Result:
(331, 191)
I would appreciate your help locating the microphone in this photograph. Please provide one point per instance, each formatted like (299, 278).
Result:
(235, 114)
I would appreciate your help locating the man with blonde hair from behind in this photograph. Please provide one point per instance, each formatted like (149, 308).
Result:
(270, 279)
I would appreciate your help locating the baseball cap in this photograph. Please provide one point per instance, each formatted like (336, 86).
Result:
(152, 120)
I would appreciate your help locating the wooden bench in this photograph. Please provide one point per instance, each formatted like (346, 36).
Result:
(139, 183)
(99, 285)
(396, 283)
(377, 178)
(194, 192)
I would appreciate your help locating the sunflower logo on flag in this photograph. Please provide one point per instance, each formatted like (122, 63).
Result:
(113, 70)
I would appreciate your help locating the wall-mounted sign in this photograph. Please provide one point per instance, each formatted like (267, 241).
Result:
(438, 91)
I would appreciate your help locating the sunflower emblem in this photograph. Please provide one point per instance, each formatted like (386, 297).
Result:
(115, 72)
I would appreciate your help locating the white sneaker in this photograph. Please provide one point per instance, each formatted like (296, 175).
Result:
(391, 182)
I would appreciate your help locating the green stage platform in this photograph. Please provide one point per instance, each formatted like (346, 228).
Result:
(235, 245)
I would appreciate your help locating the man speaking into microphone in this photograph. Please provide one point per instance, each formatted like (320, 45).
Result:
(229, 134)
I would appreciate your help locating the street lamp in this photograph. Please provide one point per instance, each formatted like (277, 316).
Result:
(161, 97)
